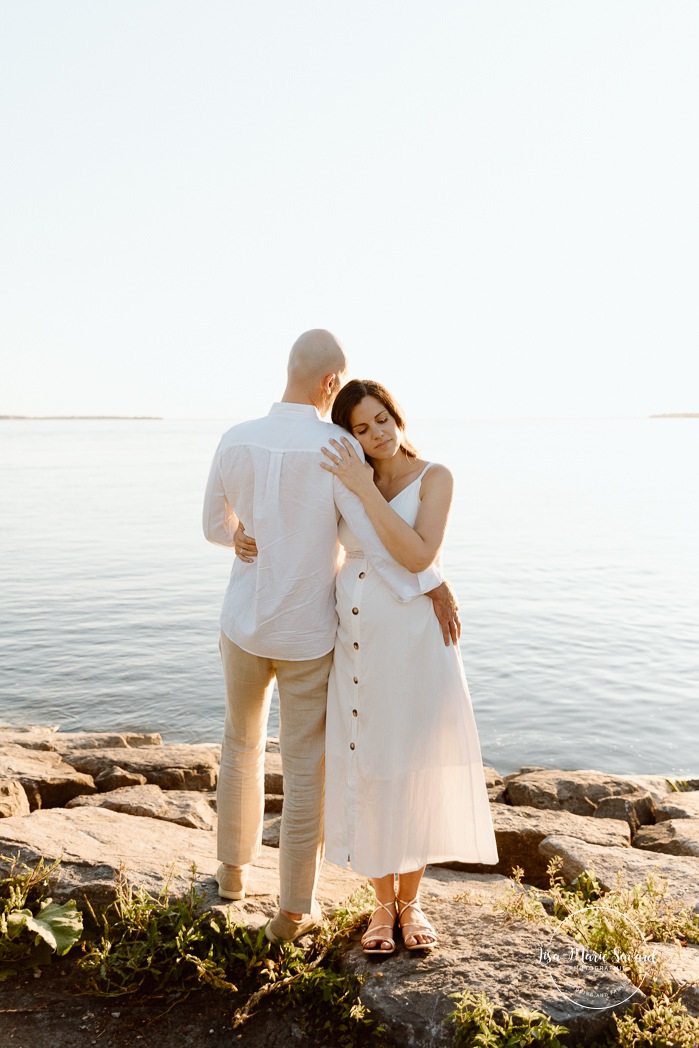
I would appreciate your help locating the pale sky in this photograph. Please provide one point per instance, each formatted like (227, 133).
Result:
(493, 204)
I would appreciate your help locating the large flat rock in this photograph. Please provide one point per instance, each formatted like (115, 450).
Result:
(681, 873)
(177, 767)
(184, 807)
(94, 843)
(47, 779)
(49, 738)
(579, 792)
(486, 953)
(520, 830)
(172, 767)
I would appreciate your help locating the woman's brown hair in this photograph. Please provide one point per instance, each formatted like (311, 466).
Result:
(354, 393)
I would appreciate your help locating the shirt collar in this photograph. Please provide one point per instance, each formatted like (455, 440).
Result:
(282, 408)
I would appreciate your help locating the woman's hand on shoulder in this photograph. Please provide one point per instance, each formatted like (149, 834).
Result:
(347, 466)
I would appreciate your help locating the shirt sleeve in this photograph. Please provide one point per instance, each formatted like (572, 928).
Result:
(404, 585)
(218, 519)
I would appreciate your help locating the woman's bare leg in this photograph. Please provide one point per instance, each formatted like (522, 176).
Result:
(408, 889)
(385, 890)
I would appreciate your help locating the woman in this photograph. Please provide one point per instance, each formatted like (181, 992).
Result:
(404, 776)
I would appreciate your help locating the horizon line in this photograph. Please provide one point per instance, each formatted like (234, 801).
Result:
(417, 418)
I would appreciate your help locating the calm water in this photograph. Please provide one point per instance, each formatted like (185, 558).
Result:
(573, 548)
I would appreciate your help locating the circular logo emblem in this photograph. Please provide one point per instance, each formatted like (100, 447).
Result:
(589, 977)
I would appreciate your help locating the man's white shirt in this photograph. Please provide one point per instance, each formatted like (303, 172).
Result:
(267, 474)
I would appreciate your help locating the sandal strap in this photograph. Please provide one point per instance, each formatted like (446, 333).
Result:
(402, 905)
(423, 928)
(370, 934)
(425, 925)
(386, 906)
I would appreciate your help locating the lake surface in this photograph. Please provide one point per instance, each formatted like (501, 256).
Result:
(573, 547)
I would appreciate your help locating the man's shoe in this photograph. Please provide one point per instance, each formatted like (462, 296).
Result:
(284, 929)
(231, 883)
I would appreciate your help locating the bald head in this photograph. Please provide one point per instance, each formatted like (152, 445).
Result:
(315, 353)
(317, 368)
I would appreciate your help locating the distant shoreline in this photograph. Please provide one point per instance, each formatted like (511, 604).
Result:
(81, 418)
(677, 414)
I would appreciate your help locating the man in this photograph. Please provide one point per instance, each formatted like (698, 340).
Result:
(278, 620)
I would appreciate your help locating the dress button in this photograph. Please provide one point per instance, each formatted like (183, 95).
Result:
(355, 646)
(362, 574)
(351, 745)
(355, 611)
(356, 680)
(354, 713)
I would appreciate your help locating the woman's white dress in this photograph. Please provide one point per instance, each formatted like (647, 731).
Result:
(404, 775)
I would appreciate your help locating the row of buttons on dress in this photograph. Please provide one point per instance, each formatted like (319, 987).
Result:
(355, 611)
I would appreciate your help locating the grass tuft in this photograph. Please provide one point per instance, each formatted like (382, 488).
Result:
(478, 1021)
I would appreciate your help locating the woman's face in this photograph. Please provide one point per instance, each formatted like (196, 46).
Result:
(375, 428)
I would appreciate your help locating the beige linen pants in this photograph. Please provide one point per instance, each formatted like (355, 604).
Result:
(303, 688)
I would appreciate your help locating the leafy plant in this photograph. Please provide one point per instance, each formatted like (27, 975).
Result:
(153, 944)
(520, 901)
(32, 926)
(661, 1021)
(157, 945)
(475, 1022)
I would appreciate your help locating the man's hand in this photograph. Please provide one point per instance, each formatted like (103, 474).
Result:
(446, 609)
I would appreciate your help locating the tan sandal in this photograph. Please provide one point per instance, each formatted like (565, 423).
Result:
(371, 935)
(421, 927)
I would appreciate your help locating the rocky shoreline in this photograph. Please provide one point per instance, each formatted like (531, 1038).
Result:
(105, 802)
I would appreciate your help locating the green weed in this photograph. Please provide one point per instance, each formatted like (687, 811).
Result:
(32, 927)
(152, 944)
(158, 945)
(661, 1021)
(475, 1022)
